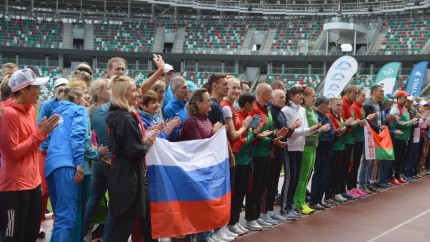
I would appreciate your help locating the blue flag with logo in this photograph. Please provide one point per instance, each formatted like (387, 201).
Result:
(416, 78)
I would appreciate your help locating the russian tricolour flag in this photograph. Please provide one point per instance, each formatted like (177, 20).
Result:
(189, 185)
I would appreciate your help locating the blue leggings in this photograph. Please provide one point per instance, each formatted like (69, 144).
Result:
(64, 199)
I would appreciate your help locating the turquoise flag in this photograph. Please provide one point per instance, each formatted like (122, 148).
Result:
(387, 76)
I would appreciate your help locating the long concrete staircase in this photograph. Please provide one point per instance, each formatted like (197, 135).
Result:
(89, 37)
(374, 46)
(245, 48)
(158, 39)
(267, 46)
(67, 36)
(179, 42)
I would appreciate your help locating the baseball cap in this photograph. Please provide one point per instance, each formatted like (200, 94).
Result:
(423, 103)
(25, 77)
(402, 94)
(191, 86)
(60, 81)
(415, 103)
(168, 68)
(386, 99)
(320, 100)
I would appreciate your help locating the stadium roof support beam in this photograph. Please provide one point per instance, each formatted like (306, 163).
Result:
(129, 9)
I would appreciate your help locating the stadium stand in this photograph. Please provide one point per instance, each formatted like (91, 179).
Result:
(204, 38)
(31, 33)
(405, 38)
(312, 80)
(288, 37)
(126, 37)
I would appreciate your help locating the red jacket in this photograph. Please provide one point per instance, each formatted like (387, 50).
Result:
(19, 144)
(346, 112)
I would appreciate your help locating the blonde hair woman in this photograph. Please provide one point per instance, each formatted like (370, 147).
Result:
(129, 145)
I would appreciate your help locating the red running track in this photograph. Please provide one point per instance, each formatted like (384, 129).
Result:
(400, 213)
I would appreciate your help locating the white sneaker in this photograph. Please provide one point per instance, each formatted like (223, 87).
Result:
(253, 225)
(214, 238)
(235, 229)
(245, 230)
(340, 198)
(228, 232)
(266, 217)
(223, 236)
(263, 223)
(279, 218)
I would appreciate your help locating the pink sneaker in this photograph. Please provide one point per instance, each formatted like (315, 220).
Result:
(359, 191)
(352, 193)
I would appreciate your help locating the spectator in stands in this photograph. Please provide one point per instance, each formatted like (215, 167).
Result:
(324, 154)
(20, 137)
(64, 166)
(334, 187)
(8, 69)
(46, 111)
(198, 126)
(358, 136)
(278, 85)
(176, 107)
(168, 75)
(349, 94)
(83, 73)
(294, 111)
(309, 151)
(129, 145)
(279, 157)
(404, 124)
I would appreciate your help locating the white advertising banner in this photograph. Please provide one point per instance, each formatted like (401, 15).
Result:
(339, 74)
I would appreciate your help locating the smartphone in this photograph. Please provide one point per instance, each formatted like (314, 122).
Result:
(254, 121)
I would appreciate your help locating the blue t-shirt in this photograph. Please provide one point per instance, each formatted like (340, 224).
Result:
(173, 109)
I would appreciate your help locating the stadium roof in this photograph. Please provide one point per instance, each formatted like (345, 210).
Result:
(182, 8)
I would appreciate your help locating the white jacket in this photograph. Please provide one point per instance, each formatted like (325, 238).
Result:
(292, 113)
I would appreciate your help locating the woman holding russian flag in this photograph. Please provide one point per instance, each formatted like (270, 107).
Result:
(198, 126)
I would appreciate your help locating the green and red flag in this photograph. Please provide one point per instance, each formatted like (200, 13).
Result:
(378, 146)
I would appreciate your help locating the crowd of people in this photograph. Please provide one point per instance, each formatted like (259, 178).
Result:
(91, 138)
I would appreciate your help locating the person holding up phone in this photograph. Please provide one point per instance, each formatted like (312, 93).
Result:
(242, 152)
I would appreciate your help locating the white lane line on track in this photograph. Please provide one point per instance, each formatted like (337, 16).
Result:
(398, 226)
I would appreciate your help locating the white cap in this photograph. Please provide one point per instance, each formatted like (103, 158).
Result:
(415, 103)
(168, 68)
(423, 103)
(410, 98)
(25, 77)
(60, 81)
